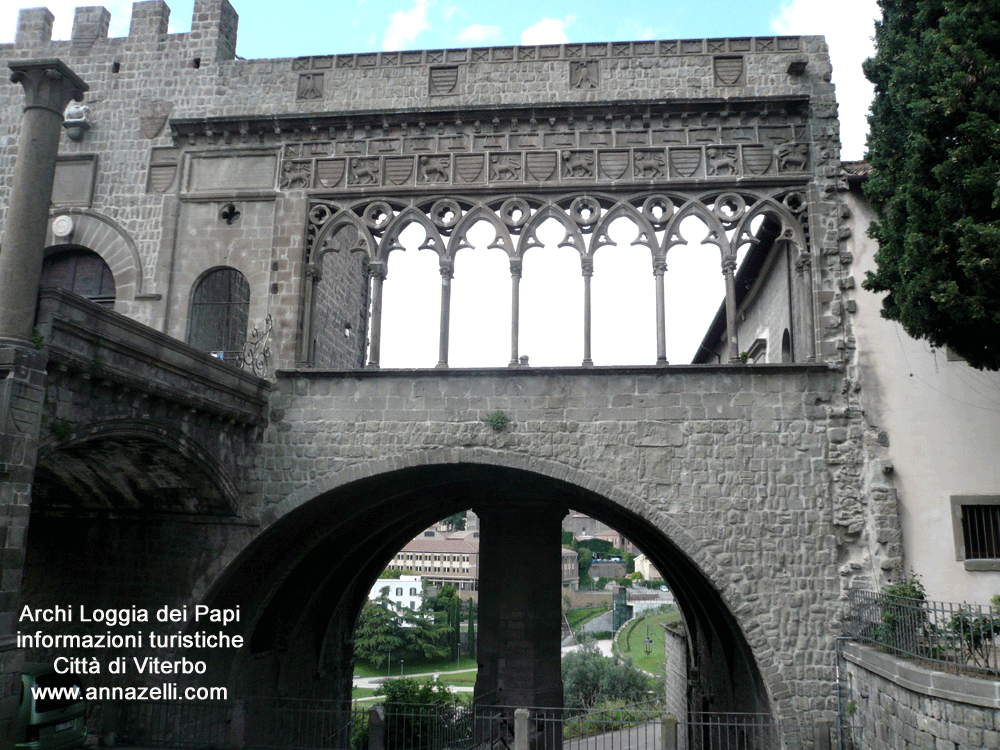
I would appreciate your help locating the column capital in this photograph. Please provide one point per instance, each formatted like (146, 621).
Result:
(587, 265)
(515, 267)
(48, 84)
(378, 270)
(659, 266)
(447, 268)
(729, 266)
(314, 272)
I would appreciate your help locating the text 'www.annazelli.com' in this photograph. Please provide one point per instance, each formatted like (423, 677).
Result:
(168, 691)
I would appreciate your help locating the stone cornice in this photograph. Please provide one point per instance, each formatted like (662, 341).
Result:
(317, 125)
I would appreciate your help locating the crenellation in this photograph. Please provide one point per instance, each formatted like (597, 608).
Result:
(34, 27)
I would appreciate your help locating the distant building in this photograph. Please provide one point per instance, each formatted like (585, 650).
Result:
(607, 569)
(443, 558)
(405, 592)
(644, 566)
(570, 569)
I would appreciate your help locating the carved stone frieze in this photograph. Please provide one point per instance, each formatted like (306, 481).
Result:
(571, 145)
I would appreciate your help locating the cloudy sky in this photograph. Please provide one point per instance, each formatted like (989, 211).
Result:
(551, 330)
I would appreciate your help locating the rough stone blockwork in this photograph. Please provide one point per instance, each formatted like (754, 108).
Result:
(894, 704)
(198, 159)
(732, 465)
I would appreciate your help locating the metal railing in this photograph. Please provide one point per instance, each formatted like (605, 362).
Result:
(962, 638)
(294, 724)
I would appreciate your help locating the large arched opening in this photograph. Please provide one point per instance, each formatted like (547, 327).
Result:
(301, 584)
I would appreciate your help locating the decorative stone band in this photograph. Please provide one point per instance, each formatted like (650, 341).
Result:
(595, 51)
(642, 142)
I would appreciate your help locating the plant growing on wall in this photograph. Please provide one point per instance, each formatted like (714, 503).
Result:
(497, 420)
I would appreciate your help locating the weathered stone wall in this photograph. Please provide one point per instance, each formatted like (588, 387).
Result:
(148, 175)
(675, 662)
(732, 465)
(894, 704)
(22, 379)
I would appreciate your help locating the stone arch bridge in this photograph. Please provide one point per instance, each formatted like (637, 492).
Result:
(139, 471)
(727, 477)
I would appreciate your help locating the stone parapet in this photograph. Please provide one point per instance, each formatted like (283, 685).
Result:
(894, 702)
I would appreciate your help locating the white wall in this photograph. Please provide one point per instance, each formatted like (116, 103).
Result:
(943, 423)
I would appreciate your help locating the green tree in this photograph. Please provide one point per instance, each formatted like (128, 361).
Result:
(934, 147)
(590, 678)
(378, 632)
(584, 558)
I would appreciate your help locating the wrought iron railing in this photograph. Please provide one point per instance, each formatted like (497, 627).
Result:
(962, 638)
(293, 724)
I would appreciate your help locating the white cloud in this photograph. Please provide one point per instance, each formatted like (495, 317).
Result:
(547, 31)
(848, 33)
(477, 34)
(405, 26)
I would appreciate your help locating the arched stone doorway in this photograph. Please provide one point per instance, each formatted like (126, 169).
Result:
(303, 581)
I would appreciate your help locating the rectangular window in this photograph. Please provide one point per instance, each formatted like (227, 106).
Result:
(976, 527)
(981, 528)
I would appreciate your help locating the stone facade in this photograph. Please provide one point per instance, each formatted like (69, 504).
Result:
(301, 174)
(893, 704)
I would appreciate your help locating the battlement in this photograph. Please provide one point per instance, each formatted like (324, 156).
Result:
(213, 25)
(215, 21)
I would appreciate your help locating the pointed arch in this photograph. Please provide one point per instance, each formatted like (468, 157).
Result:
(502, 240)
(345, 217)
(529, 238)
(646, 236)
(410, 215)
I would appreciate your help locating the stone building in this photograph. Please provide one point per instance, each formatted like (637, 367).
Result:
(216, 209)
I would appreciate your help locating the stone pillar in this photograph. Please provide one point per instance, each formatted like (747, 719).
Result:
(660, 268)
(520, 589)
(313, 275)
(22, 393)
(378, 271)
(447, 274)
(803, 266)
(515, 310)
(732, 344)
(48, 86)
(587, 266)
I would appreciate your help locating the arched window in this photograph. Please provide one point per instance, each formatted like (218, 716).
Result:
(786, 347)
(220, 310)
(81, 271)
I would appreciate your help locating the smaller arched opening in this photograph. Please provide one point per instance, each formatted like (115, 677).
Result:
(81, 271)
(220, 313)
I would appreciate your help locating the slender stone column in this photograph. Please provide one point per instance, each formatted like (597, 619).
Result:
(313, 275)
(804, 268)
(378, 271)
(587, 265)
(520, 586)
(515, 310)
(660, 268)
(48, 86)
(729, 271)
(447, 274)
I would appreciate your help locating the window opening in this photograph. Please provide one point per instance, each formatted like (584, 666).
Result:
(82, 272)
(623, 300)
(479, 334)
(694, 291)
(551, 319)
(981, 531)
(220, 311)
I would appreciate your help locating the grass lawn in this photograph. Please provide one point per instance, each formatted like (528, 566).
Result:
(633, 645)
(362, 693)
(578, 617)
(411, 667)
